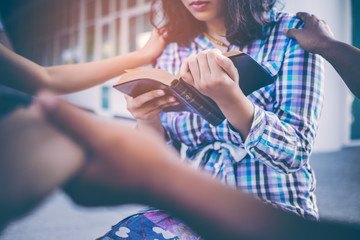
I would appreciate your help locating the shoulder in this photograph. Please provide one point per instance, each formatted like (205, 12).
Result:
(285, 20)
(277, 22)
(289, 47)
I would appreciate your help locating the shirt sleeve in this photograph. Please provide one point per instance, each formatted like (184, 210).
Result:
(283, 138)
(282, 135)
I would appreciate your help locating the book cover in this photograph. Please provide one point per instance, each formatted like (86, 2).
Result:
(252, 78)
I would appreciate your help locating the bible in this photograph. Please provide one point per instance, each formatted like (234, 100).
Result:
(252, 77)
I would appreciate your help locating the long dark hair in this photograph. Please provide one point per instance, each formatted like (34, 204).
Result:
(244, 20)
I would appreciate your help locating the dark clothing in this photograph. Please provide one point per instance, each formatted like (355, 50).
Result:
(10, 99)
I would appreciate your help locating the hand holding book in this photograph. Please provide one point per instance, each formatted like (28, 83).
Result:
(146, 108)
(136, 83)
(212, 74)
(216, 76)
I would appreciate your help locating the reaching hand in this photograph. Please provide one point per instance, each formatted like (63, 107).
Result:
(121, 159)
(155, 45)
(314, 36)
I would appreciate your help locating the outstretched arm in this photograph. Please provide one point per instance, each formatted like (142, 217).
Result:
(134, 166)
(23, 74)
(317, 37)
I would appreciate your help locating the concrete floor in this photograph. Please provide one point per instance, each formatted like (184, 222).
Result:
(338, 184)
(338, 194)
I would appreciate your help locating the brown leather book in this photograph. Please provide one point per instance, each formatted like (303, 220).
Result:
(137, 82)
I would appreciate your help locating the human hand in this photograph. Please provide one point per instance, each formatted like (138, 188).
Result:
(213, 74)
(155, 45)
(147, 107)
(122, 160)
(315, 35)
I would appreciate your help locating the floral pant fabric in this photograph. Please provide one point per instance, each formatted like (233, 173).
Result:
(150, 226)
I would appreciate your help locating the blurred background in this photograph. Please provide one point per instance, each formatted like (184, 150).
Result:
(72, 31)
(53, 32)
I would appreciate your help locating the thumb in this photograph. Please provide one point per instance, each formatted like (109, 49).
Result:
(228, 66)
(291, 33)
(76, 122)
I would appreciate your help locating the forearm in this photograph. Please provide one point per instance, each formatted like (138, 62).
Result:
(344, 58)
(75, 77)
(212, 209)
(23, 74)
(239, 112)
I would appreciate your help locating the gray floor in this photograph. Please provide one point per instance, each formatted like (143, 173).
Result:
(58, 218)
(338, 184)
(338, 193)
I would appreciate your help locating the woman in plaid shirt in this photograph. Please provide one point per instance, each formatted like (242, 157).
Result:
(264, 145)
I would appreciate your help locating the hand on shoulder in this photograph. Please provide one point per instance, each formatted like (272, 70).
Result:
(155, 45)
(315, 35)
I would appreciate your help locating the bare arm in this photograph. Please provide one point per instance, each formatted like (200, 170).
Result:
(137, 166)
(134, 166)
(344, 58)
(25, 75)
(317, 37)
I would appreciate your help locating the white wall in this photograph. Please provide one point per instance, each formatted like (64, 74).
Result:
(334, 125)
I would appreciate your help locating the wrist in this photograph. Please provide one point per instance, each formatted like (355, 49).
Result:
(324, 46)
(240, 114)
(227, 99)
(145, 56)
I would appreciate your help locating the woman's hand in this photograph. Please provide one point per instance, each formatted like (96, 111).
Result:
(213, 74)
(147, 108)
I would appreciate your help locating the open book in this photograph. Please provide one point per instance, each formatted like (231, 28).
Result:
(137, 82)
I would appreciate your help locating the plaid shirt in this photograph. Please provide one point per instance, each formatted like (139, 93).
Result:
(273, 162)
